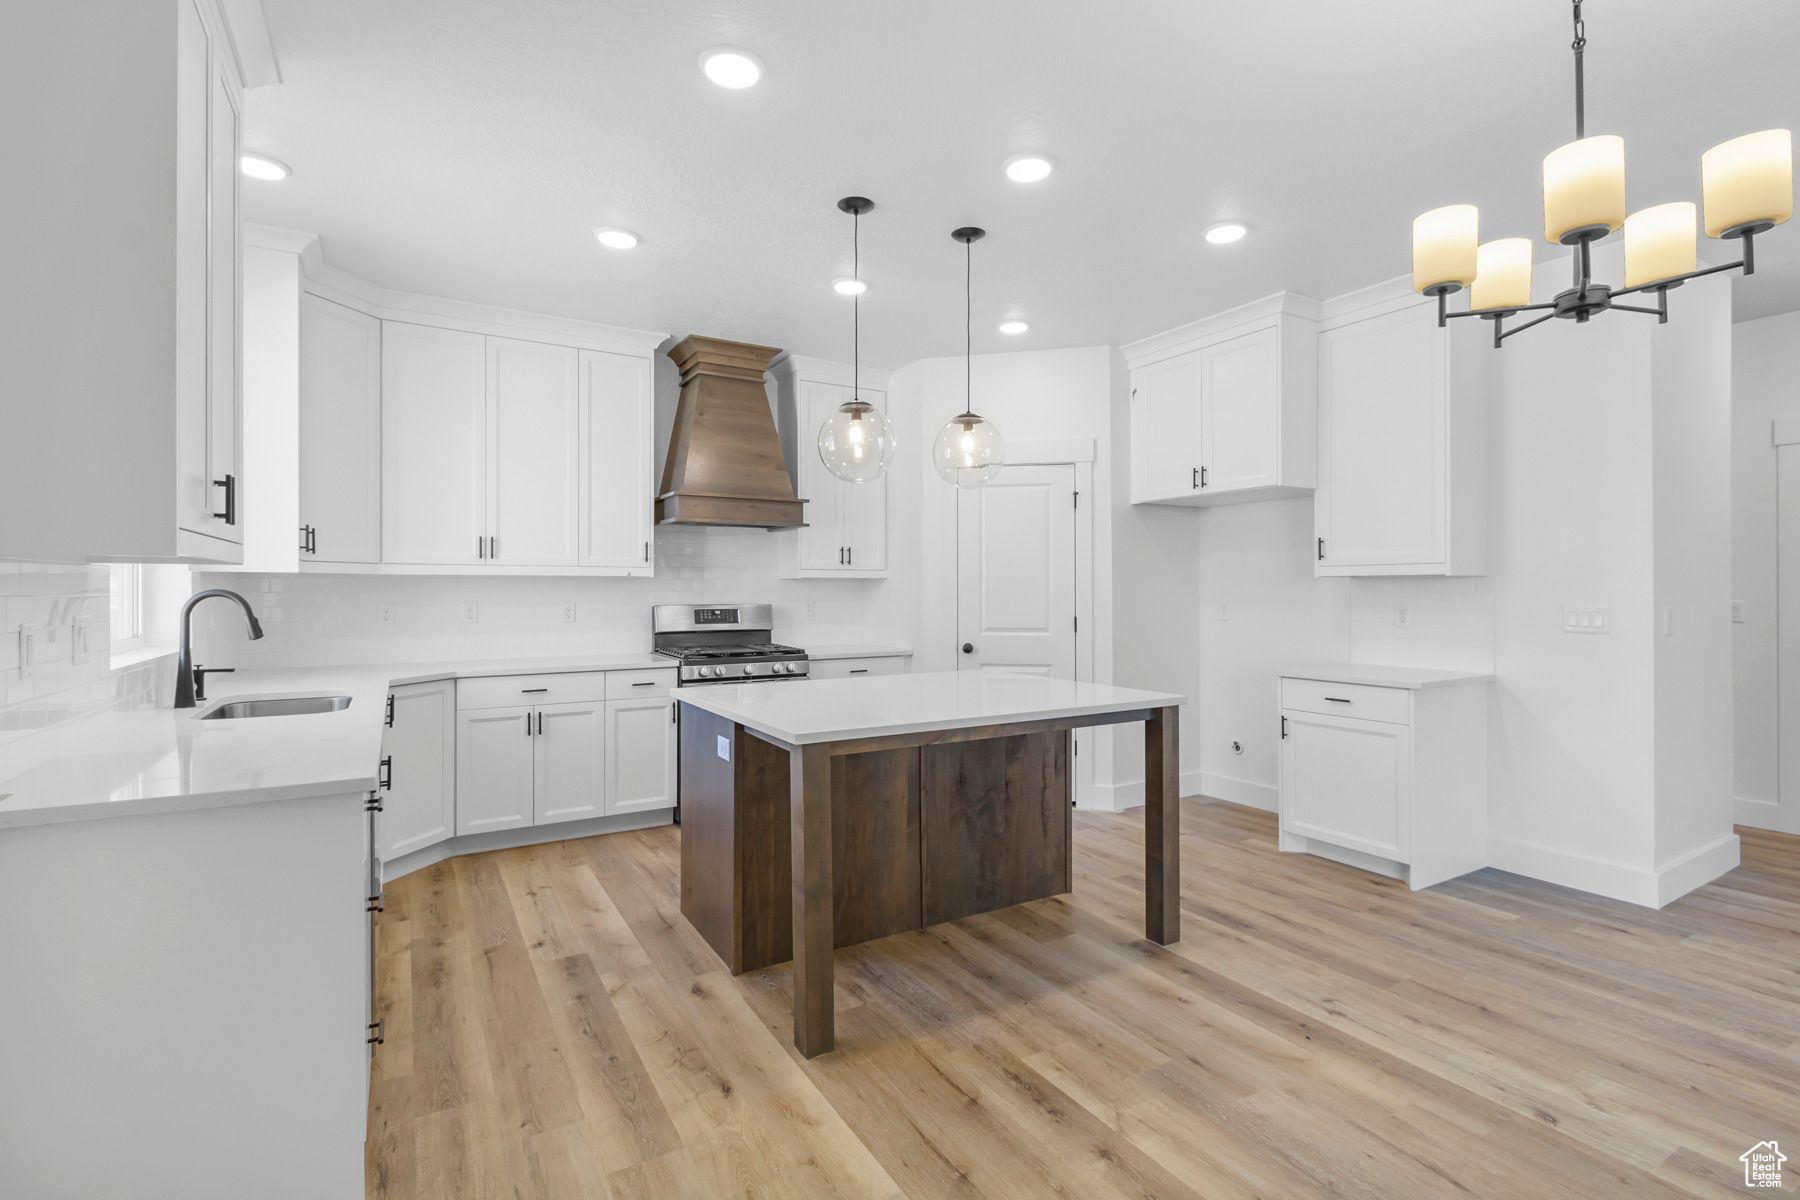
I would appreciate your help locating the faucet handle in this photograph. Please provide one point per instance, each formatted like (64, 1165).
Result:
(200, 674)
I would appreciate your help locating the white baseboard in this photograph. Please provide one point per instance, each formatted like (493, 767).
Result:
(1247, 792)
(1760, 813)
(1614, 879)
(529, 835)
(1129, 793)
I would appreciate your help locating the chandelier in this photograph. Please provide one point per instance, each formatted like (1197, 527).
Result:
(1747, 185)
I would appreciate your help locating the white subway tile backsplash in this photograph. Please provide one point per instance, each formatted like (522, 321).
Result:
(1449, 623)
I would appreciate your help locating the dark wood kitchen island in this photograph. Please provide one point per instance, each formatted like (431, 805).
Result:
(822, 813)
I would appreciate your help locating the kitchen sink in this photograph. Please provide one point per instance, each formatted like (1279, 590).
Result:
(279, 706)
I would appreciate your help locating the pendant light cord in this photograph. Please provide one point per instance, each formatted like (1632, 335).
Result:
(968, 327)
(856, 307)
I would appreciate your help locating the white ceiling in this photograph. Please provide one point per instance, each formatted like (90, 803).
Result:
(469, 148)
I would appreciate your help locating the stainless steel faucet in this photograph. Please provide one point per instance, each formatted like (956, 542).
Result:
(190, 681)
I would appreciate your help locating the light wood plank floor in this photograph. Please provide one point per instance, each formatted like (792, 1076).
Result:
(555, 1029)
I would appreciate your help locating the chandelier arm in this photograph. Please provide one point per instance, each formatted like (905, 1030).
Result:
(1655, 312)
(1507, 311)
(1673, 280)
(1527, 325)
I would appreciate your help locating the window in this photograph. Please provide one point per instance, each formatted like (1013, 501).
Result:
(127, 605)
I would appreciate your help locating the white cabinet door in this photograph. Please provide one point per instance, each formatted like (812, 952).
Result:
(533, 453)
(640, 754)
(618, 445)
(340, 432)
(224, 301)
(1240, 412)
(493, 769)
(863, 511)
(569, 750)
(193, 93)
(1382, 460)
(433, 445)
(1167, 397)
(1347, 782)
(821, 546)
(419, 810)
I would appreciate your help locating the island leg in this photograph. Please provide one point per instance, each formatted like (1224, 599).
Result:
(809, 787)
(1162, 827)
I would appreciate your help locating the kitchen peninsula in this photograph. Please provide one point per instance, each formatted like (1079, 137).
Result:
(822, 813)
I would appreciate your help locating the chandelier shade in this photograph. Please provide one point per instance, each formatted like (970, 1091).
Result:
(1502, 274)
(1444, 248)
(1584, 189)
(968, 451)
(1748, 182)
(1660, 243)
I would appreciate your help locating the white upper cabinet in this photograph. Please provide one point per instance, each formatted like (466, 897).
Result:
(433, 445)
(1223, 411)
(533, 453)
(618, 431)
(1401, 424)
(122, 341)
(845, 535)
(340, 433)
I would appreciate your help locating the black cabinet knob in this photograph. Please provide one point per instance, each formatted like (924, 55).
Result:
(968, 647)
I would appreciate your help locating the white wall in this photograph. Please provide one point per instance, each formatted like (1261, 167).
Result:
(1765, 385)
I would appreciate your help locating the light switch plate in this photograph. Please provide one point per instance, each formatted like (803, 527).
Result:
(1737, 612)
(724, 749)
(1586, 618)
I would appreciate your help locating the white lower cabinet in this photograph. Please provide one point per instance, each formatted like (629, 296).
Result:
(494, 765)
(640, 754)
(856, 668)
(1390, 779)
(569, 746)
(597, 745)
(419, 754)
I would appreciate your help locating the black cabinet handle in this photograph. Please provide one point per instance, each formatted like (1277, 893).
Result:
(1321, 549)
(1284, 728)
(389, 719)
(1337, 700)
(378, 1032)
(645, 683)
(540, 724)
(480, 546)
(1202, 476)
(1195, 478)
(372, 803)
(229, 483)
(859, 670)
(387, 773)
(529, 691)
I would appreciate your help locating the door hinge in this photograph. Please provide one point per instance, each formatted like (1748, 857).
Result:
(1321, 549)
(1284, 729)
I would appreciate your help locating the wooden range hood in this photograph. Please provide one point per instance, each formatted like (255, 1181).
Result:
(725, 465)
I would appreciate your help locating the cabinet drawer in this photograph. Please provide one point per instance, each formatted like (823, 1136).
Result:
(630, 685)
(1348, 700)
(859, 668)
(501, 691)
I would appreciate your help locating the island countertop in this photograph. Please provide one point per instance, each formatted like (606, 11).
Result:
(810, 711)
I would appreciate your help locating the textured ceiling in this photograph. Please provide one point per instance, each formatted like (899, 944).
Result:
(469, 148)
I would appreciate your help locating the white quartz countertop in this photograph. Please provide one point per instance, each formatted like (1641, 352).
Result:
(1378, 675)
(809, 711)
(856, 651)
(155, 760)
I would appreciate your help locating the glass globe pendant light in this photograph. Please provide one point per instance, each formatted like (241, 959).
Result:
(968, 450)
(857, 441)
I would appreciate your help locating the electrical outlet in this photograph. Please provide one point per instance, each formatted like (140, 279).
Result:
(568, 611)
(1668, 621)
(1224, 611)
(385, 612)
(1402, 616)
(812, 609)
(471, 613)
(1586, 618)
(1737, 612)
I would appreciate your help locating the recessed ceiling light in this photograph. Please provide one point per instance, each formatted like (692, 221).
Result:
(1225, 233)
(730, 67)
(1014, 326)
(258, 166)
(849, 287)
(616, 239)
(1028, 168)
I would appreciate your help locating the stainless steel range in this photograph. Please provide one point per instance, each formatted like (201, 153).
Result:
(724, 643)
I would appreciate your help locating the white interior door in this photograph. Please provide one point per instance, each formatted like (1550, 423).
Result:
(1016, 572)
(1240, 412)
(618, 439)
(533, 453)
(569, 744)
(340, 431)
(433, 445)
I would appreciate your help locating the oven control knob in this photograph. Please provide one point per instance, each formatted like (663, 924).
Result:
(751, 668)
(703, 672)
(793, 668)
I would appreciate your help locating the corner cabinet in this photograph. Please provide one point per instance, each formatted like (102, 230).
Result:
(1223, 411)
(126, 419)
(1402, 430)
(845, 535)
(418, 752)
(340, 434)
